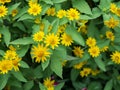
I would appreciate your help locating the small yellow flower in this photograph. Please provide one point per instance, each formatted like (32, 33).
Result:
(78, 52)
(35, 9)
(37, 21)
(110, 35)
(91, 42)
(4, 1)
(51, 12)
(32, 2)
(3, 11)
(5, 66)
(94, 51)
(16, 63)
(83, 29)
(49, 83)
(116, 57)
(38, 36)
(42, 26)
(113, 8)
(79, 65)
(105, 48)
(95, 72)
(40, 53)
(52, 40)
(14, 12)
(61, 13)
(66, 39)
(112, 23)
(73, 14)
(85, 72)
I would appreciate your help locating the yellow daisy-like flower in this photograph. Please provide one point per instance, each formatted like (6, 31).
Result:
(50, 88)
(14, 12)
(52, 40)
(79, 65)
(61, 13)
(112, 23)
(61, 29)
(66, 39)
(113, 8)
(3, 11)
(78, 51)
(91, 42)
(40, 53)
(5, 66)
(38, 36)
(49, 83)
(116, 57)
(51, 12)
(35, 9)
(94, 51)
(83, 29)
(32, 2)
(16, 63)
(73, 14)
(110, 35)
(4, 1)
(105, 48)
(37, 20)
(118, 12)
(85, 72)
(7, 1)
(95, 72)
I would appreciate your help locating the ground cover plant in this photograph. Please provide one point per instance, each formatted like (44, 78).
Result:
(59, 44)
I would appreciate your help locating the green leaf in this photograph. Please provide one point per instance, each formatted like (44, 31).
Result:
(38, 72)
(25, 16)
(109, 85)
(58, 1)
(82, 6)
(23, 41)
(6, 35)
(23, 64)
(45, 7)
(104, 4)
(48, 1)
(103, 43)
(59, 86)
(3, 80)
(20, 26)
(19, 76)
(94, 86)
(41, 86)
(28, 85)
(75, 35)
(74, 74)
(47, 24)
(100, 63)
(2, 52)
(55, 25)
(45, 64)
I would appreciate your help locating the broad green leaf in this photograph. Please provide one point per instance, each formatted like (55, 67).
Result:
(42, 87)
(63, 21)
(25, 16)
(20, 26)
(109, 85)
(75, 35)
(3, 80)
(58, 1)
(19, 76)
(38, 72)
(28, 85)
(74, 74)
(6, 35)
(45, 64)
(23, 41)
(48, 1)
(100, 63)
(103, 43)
(35, 28)
(23, 64)
(2, 52)
(82, 6)
(23, 50)
(47, 24)
(59, 86)
(104, 4)
(95, 86)
(55, 25)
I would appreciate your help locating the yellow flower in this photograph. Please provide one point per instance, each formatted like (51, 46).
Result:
(95, 72)
(91, 42)
(16, 63)
(40, 53)
(35, 9)
(52, 40)
(79, 65)
(110, 35)
(94, 51)
(49, 83)
(42, 26)
(5, 66)
(61, 29)
(32, 2)
(3, 11)
(113, 8)
(85, 72)
(105, 48)
(78, 52)
(83, 29)
(116, 57)
(14, 12)
(51, 11)
(118, 12)
(73, 14)
(38, 36)
(7, 1)
(50, 88)
(4, 1)
(37, 21)
(61, 13)
(111, 23)
(66, 39)
(12, 48)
